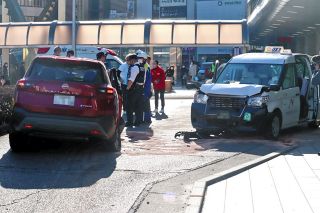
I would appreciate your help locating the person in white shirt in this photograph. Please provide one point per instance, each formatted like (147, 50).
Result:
(192, 70)
(123, 69)
(135, 90)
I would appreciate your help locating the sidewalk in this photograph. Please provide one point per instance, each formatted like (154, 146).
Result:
(287, 183)
(179, 93)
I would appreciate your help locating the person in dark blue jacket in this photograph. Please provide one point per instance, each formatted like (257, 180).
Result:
(142, 59)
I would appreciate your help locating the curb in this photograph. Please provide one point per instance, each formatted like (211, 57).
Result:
(195, 201)
(178, 97)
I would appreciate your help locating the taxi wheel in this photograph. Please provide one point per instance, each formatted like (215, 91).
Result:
(274, 127)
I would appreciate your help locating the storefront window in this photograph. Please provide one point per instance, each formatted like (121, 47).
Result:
(162, 54)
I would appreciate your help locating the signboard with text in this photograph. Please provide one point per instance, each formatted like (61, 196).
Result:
(221, 9)
(173, 12)
(172, 3)
(173, 8)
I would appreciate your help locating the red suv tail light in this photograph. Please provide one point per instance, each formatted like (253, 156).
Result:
(24, 85)
(107, 90)
(21, 84)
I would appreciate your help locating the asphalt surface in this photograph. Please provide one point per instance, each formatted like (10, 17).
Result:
(154, 172)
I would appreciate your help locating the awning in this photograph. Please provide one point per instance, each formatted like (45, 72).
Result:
(125, 33)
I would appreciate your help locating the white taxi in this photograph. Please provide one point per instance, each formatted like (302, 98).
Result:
(266, 92)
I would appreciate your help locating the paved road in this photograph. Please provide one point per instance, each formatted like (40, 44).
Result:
(154, 169)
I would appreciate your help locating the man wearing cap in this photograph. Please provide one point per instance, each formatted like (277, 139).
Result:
(135, 89)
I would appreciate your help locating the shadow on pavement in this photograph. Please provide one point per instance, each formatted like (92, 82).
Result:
(142, 133)
(57, 165)
(248, 142)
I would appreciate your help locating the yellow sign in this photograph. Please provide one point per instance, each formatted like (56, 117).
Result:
(273, 49)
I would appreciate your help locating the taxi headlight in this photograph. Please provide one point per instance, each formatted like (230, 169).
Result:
(200, 98)
(258, 101)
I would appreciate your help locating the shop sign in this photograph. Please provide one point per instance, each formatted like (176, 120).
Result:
(172, 3)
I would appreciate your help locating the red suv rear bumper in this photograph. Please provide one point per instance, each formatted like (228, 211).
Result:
(47, 125)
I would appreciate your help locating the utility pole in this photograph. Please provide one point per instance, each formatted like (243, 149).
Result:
(74, 27)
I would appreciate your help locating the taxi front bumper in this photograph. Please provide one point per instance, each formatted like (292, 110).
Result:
(248, 118)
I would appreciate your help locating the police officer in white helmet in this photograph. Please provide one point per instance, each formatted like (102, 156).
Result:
(135, 89)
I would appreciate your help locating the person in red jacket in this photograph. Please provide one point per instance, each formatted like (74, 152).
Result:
(158, 81)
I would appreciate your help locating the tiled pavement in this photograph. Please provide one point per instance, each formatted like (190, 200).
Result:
(289, 183)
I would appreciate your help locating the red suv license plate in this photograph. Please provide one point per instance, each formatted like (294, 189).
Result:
(63, 100)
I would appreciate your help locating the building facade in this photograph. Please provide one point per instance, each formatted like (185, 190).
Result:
(47, 10)
(196, 10)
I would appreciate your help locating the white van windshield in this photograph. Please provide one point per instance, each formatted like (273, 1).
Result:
(259, 74)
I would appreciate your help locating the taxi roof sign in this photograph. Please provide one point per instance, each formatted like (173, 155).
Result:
(273, 49)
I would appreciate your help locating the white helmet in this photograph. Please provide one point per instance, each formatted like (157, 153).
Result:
(142, 54)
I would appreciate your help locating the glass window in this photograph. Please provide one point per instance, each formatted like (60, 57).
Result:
(17, 35)
(207, 34)
(62, 34)
(259, 74)
(110, 63)
(184, 34)
(83, 37)
(160, 34)
(110, 38)
(231, 34)
(52, 70)
(38, 35)
(302, 67)
(289, 80)
(133, 34)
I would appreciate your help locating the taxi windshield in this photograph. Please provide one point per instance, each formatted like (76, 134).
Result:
(250, 73)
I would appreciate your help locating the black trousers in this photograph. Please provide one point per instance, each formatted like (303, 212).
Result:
(124, 96)
(147, 110)
(156, 98)
(135, 103)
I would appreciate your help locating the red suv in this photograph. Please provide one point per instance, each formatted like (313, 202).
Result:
(66, 98)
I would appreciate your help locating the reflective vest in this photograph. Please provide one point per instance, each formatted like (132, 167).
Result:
(140, 79)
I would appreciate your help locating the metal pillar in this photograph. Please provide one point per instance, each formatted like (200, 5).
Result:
(74, 27)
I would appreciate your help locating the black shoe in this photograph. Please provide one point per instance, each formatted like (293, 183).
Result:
(128, 124)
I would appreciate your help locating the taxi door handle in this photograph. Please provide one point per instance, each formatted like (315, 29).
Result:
(298, 94)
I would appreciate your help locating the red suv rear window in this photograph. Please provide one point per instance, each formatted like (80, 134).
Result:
(67, 71)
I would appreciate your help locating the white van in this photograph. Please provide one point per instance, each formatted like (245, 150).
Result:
(113, 61)
(266, 92)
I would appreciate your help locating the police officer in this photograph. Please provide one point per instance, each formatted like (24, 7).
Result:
(142, 59)
(135, 89)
